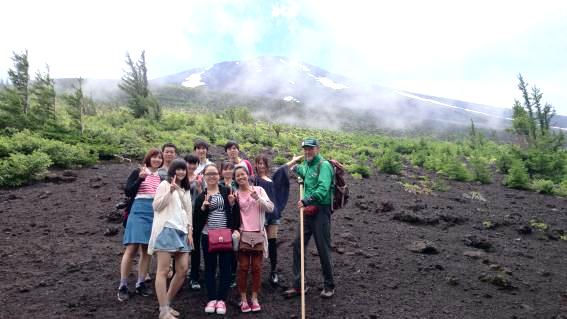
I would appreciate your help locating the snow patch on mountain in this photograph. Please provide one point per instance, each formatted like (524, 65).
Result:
(194, 80)
(290, 98)
(330, 83)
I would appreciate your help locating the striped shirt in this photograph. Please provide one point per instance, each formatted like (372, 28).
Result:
(149, 186)
(217, 216)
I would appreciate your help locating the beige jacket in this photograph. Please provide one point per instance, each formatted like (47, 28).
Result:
(165, 205)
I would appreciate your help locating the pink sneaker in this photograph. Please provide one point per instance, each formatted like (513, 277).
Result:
(221, 307)
(245, 307)
(210, 307)
(256, 306)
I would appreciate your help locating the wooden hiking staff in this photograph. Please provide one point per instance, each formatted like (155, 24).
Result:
(302, 244)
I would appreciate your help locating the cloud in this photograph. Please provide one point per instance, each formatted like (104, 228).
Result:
(471, 50)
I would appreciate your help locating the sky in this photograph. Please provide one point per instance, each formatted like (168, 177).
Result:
(468, 50)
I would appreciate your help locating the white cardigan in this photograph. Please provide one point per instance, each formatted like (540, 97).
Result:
(167, 204)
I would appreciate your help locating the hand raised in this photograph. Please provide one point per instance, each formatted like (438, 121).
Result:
(255, 195)
(174, 185)
(143, 171)
(231, 197)
(296, 159)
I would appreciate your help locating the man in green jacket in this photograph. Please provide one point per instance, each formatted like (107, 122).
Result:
(317, 175)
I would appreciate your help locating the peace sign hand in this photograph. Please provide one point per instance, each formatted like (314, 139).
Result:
(231, 197)
(174, 185)
(143, 171)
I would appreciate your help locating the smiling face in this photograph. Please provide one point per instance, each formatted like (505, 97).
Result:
(211, 175)
(309, 152)
(180, 174)
(155, 161)
(241, 176)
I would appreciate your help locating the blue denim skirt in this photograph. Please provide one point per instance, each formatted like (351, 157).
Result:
(172, 240)
(139, 225)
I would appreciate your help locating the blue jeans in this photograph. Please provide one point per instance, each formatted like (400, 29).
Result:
(224, 261)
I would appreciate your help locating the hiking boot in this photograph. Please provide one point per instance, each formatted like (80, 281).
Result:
(220, 307)
(123, 294)
(328, 292)
(274, 279)
(210, 307)
(143, 290)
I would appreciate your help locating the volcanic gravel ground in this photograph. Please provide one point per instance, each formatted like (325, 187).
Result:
(469, 252)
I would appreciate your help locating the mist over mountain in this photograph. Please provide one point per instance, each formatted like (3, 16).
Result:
(289, 91)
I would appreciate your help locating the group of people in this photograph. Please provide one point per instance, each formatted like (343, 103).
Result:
(185, 208)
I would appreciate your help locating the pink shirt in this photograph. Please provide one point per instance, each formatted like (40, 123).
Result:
(250, 210)
(149, 185)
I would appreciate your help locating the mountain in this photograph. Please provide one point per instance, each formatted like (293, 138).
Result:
(289, 91)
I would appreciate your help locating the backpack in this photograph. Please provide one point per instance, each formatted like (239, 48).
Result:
(340, 193)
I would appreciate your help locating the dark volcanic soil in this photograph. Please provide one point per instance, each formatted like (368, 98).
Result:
(476, 255)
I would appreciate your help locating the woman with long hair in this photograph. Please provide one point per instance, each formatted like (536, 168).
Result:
(252, 203)
(277, 188)
(172, 234)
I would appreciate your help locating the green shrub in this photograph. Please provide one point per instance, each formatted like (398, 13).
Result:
(418, 158)
(543, 186)
(504, 162)
(65, 155)
(25, 142)
(356, 176)
(481, 170)
(279, 160)
(366, 150)
(19, 169)
(363, 170)
(561, 189)
(456, 170)
(517, 176)
(390, 163)
(5, 147)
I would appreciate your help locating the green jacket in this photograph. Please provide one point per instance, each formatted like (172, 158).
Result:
(317, 180)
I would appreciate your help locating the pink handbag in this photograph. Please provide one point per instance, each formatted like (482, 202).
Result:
(220, 240)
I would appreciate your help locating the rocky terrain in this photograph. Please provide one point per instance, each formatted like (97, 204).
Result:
(401, 250)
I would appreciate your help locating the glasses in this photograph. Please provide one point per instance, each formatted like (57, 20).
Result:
(211, 174)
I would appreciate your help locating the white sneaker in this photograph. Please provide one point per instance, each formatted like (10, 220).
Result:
(221, 307)
(210, 307)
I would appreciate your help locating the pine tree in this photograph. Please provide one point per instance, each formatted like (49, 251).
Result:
(19, 79)
(523, 86)
(43, 99)
(135, 85)
(78, 106)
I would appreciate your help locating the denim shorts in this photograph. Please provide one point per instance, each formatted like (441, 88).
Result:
(172, 241)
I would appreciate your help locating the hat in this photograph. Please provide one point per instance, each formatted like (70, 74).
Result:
(310, 142)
